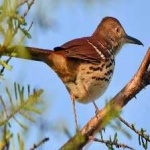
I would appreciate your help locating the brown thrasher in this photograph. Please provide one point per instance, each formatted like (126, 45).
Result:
(86, 65)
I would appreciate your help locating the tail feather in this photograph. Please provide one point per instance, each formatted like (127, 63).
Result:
(38, 53)
(30, 53)
(56, 60)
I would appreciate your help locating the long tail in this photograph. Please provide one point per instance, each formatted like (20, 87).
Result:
(30, 53)
(55, 60)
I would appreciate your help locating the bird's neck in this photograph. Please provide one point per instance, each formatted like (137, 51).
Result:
(109, 43)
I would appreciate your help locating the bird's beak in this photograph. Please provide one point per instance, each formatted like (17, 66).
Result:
(132, 40)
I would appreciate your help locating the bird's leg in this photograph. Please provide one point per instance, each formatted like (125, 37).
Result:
(96, 107)
(75, 113)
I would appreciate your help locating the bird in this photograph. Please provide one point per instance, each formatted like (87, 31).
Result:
(86, 65)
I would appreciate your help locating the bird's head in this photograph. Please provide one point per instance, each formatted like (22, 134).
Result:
(111, 31)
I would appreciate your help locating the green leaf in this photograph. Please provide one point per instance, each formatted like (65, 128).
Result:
(21, 143)
(27, 34)
(10, 98)
(20, 123)
(27, 116)
(4, 64)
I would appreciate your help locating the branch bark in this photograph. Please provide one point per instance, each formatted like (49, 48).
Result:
(139, 81)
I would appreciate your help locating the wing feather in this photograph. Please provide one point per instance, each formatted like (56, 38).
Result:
(84, 48)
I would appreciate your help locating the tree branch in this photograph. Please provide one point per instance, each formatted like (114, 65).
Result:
(140, 80)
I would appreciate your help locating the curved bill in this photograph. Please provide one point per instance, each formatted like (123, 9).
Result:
(132, 40)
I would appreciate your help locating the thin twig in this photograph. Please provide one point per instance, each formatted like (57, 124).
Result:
(108, 142)
(39, 143)
(22, 39)
(4, 106)
(3, 68)
(25, 13)
(145, 136)
(22, 3)
(29, 6)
